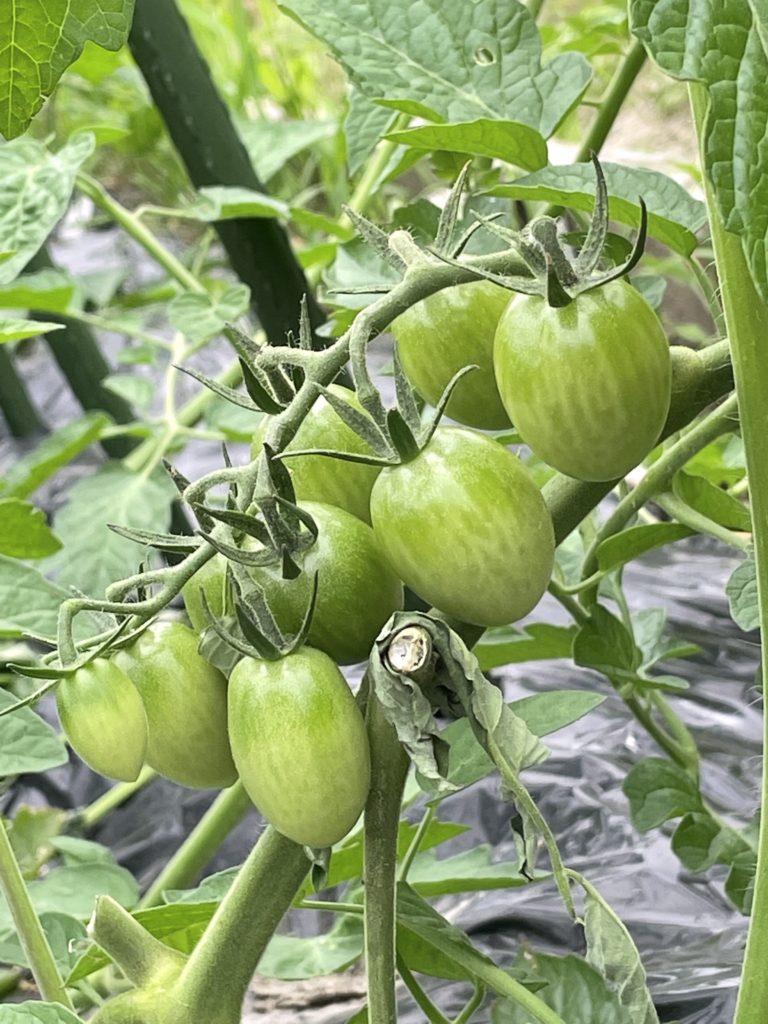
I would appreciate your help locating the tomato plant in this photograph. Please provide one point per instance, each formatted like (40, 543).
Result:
(185, 700)
(315, 478)
(300, 745)
(587, 385)
(103, 718)
(446, 332)
(466, 527)
(212, 581)
(357, 589)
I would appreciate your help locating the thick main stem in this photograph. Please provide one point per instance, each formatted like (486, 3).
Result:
(746, 317)
(30, 931)
(389, 768)
(213, 984)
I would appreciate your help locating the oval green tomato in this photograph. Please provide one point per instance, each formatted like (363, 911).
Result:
(300, 745)
(185, 700)
(103, 718)
(447, 331)
(357, 590)
(212, 581)
(465, 526)
(586, 385)
(318, 478)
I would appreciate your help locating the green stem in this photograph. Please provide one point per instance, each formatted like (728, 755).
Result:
(534, 8)
(213, 984)
(718, 422)
(418, 839)
(683, 513)
(15, 403)
(474, 1004)
(90, 816)
(31, 935)
(746, 317)
(613, 100)
(142, 958)
(389, 768)
(373, 170)
(420, 997)
(228, 810)
(709, 292)
(332, 907)
(139, 232)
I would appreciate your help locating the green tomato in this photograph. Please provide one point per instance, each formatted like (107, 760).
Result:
(464, 525)
(185, 700)
(103, 718)
(319, 478)
(212, 580)
(447, 331)
(357, 590)
(587, 385)
(300, 745)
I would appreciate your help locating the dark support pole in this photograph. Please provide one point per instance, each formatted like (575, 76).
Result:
(15, 403)
(199, 124)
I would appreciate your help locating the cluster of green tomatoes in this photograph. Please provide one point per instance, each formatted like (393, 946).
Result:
(461, 523)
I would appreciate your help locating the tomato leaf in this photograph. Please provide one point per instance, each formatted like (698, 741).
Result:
(47, 291)
(293, 958)
(37, 187)
(24, 532)
(537, 642)
(729, 53)
(39, 1013)
(16, 330)
(700, 842)
(27, 744)
(471, 871)
(604, 643)
(62, 932)
(29, 603)
(58, 449)
(366, 122)
(636, 541)
(712, 502)
(740, 883)
(674, 216)
(510, 141)
(573, 989)
(741, 591)
(200, 317)
(479, 60)
(658, 791)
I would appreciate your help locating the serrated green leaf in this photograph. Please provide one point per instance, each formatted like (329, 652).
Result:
(16, 330)
(538, 642)
(636, 541)
(29, 603)
(366, 122)
(56, 450)
(573, 989)
(230, 202)
(712, 502)
(463, 62)
(27, 744)
(46, 291)
(200, 317)
(674, 216)
(658, 791)
(35, 189)
(514, 143)
(741, 591)
(724, 46)
(38, 1013)
(94, 556)
(24, 533)
(38, 42)
(271, 144)
(604, 643)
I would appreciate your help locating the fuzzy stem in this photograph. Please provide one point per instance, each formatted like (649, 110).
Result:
(213, 984)
(142, 958)
(420, 997)
(746, 317)
(228, 810)
(389, 768)
(31, 935)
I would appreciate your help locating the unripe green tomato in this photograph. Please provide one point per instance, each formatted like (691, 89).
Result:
(300, 745)
(319, 478)
(185, 700)
(212, 580)
(464, 525)
(587, 385)
(103, 718)
(447, 331)
(357, 589)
